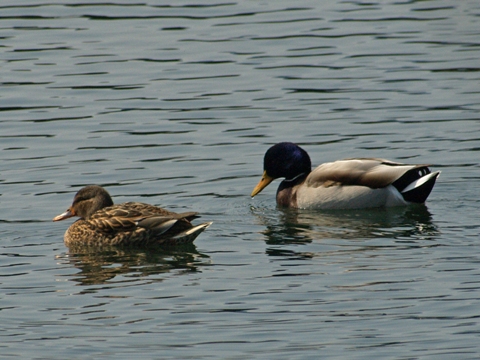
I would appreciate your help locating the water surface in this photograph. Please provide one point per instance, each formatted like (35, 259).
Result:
(174, 104)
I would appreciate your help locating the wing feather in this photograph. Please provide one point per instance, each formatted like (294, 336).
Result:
(371, 172)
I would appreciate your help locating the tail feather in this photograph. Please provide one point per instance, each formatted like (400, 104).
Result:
(418, 190)
(189, 235)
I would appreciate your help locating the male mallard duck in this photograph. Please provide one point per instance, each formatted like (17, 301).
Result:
(130, 223)
(343, 184)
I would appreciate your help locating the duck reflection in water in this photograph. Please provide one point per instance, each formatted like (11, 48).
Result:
(294, 226)
(101, 266)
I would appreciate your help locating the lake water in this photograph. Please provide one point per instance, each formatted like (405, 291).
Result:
(174, 103)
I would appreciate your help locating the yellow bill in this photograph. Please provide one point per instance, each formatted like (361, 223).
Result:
(266, 179)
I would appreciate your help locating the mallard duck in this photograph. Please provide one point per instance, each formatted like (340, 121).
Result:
(127, 224)
(343, 184)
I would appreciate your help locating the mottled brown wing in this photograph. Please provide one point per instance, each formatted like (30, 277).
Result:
(114, 224)
(145, 209)
(138, 209)
(128, 216)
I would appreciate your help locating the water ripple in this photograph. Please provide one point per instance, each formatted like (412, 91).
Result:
(175, 104)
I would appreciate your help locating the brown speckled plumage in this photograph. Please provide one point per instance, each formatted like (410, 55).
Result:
(129, 224)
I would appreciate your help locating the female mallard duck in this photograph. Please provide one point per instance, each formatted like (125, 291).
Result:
(344, 184)
(127, 224)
